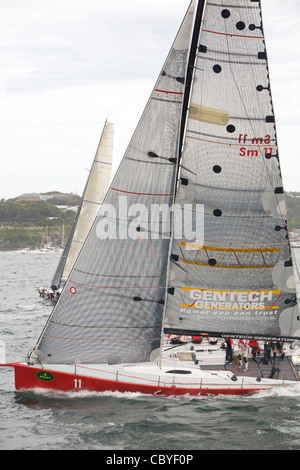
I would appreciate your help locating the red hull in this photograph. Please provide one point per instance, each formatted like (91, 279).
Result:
(27, 378)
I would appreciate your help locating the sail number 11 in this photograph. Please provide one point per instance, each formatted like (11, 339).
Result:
(77, 383)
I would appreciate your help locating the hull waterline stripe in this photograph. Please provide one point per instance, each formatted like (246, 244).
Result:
(26, 379)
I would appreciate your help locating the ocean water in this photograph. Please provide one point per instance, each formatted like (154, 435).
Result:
(113, 422)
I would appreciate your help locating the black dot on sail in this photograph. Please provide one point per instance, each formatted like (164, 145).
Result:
(217, 213)
(217, 169)
(252, 27)
(217, 68)
(259, 88)
(212, 262)
(225, 13)
(240, 25)
(230, 128)
(278, 228)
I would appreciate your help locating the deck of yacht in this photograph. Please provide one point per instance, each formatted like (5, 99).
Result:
(276, 368)
(213, 358)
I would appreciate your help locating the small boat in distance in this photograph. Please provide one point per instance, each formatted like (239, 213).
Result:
(295, 242)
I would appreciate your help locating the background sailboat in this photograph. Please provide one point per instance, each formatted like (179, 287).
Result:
(207, 142)
(94, 192)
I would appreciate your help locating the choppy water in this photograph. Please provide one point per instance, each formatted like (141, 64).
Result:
(113, 421)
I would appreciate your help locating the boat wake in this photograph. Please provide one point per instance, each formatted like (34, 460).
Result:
(280, 391)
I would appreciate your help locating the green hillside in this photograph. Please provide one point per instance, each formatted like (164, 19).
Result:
(293, 207)
(23, 224)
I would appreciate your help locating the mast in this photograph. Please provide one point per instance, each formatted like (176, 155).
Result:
(190, 72)
(187, 93)
(56, 280)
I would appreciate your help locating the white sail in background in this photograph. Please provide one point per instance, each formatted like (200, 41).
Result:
(93, 196)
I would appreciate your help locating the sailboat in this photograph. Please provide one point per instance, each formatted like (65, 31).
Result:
(94, 192)
(192, 235)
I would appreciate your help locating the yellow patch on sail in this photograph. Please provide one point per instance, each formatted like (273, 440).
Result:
(210, 115)
(228, 250)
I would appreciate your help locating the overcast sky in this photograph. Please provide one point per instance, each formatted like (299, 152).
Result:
(67, 65)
